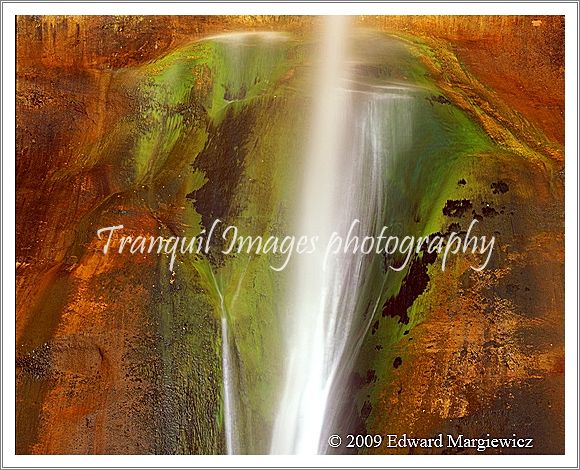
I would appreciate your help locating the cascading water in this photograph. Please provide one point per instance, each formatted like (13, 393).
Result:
(300, 416)
(228, 383)
(229, 412)
(357, 130)
(247, 62)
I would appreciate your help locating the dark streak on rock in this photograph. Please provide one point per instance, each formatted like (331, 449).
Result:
(413, 285)
(223, 161)
(366, 410)
(440, 99)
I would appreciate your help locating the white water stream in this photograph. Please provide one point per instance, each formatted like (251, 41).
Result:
(229, 412)
(356, 131)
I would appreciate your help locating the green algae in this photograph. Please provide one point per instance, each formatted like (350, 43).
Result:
(451, 144)
(176, 105)
(243, 289)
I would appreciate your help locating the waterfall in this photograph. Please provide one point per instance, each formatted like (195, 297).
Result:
(300, 417)
(358, 129)
(229, 412)
(244, 65)
(214, 287)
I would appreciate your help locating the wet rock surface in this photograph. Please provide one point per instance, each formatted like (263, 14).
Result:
(108, 363)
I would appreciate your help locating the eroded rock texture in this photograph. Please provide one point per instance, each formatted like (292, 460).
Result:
(121, 120)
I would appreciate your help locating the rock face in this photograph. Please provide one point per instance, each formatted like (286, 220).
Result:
(126, 120)
(521, 58)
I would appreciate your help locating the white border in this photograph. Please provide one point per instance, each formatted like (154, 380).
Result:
(290, 8)
(8, 219)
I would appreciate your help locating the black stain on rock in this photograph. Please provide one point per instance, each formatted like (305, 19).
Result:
(397, 362)
(500, 187)
(223, 160)
(413, 285)
(371, 376)
(476, 216)
(454, 227)
(489, 211)
(439, 99)
(456, 207)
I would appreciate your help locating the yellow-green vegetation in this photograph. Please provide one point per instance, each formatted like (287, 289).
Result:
(461, 132)
(187, 101)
